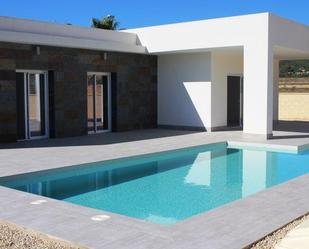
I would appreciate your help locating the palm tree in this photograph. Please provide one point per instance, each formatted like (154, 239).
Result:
(109, 22)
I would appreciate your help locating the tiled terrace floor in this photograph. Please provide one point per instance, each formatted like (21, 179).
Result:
(39, 155)
(234, 225)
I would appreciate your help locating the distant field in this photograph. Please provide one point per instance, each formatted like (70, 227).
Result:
(294, 99)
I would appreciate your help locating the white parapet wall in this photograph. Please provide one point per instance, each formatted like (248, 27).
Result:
(204, 34)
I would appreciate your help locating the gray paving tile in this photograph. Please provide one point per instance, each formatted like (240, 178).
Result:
(231, 226)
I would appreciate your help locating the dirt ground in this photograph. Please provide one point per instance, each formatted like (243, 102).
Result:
(294, 99)
(294, 106)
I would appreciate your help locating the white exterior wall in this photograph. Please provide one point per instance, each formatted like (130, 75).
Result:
(223, 64)
(184, 90)
(195, 83)
(250, 32)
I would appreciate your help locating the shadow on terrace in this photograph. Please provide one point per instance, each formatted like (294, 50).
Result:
(300, 129)
(97, 139)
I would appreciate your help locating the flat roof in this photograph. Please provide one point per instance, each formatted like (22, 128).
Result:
(289, 39)
(235, 31)
(26, 31)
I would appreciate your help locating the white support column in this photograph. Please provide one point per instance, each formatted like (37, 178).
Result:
(276, 90)
(258, 90)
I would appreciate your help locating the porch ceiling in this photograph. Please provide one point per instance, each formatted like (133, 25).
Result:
(284, 53)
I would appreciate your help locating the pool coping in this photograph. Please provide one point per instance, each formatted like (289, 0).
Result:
(236, 224)
(230, 143)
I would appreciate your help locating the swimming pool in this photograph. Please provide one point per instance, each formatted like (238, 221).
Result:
(167, 187)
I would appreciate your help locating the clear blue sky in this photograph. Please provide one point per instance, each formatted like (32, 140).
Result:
(137, 13)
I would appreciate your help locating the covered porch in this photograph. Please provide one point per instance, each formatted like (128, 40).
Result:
(283, 120)
(196, 59)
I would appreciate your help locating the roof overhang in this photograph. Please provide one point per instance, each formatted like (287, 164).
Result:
(24, 31)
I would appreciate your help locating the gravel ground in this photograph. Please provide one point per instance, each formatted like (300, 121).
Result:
(16, 237)
(270, 241)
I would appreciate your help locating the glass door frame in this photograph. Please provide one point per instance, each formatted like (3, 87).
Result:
(26, 102)
(109, 102)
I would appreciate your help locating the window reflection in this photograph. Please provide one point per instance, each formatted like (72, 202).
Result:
(36, 105)
(90, 102)
(97, 102)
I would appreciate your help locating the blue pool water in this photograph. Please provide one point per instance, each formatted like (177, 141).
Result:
(167, 187)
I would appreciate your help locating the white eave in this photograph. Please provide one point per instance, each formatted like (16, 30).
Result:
(24, 31)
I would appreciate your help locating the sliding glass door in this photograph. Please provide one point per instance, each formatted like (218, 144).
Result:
(32, 104)
(98, 102)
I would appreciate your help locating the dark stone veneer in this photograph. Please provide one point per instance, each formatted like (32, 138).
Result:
(134, 87)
